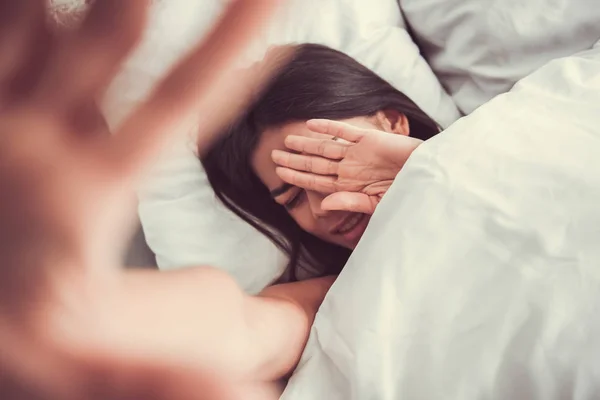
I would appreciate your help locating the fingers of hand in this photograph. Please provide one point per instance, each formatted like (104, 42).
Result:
(306, 180)
(350, 201)
(86, 60)
(339, 129)
(319, 147)
(201, 86)
(300, 162)
(18, 24)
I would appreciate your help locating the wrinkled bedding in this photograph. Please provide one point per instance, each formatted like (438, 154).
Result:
(479, 275)
(479, 49)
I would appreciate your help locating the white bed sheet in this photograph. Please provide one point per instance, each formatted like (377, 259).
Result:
(481, 48)
(479, 275)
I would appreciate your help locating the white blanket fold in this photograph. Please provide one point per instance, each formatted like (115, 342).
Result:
(479, 275)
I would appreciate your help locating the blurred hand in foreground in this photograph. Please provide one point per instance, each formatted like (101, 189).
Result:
(66, 329)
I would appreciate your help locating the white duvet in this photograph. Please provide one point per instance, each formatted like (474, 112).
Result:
(479, 275)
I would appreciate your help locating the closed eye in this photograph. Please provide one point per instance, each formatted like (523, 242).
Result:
(295, 200)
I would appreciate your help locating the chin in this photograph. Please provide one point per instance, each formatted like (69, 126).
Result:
(351, 246)
(353, 236)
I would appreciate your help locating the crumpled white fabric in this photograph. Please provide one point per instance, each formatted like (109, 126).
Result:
(481, 48)
(479, 275)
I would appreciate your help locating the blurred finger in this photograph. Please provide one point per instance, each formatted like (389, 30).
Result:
(300, 162)
(36, 55)
(319, 147)
(306, 180)
(87, 119)
(87, 59)
(206, 85)
(336, 128)
(350, 201)
(19, 21)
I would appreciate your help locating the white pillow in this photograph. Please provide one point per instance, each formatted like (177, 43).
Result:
(183, 223)
(478, 276)
(480, 48)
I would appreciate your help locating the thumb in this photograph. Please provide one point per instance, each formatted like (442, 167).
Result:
(350, 201)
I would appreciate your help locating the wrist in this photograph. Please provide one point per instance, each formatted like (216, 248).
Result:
(278, 331)
(400, 149)
(306, 295)
(281, 318)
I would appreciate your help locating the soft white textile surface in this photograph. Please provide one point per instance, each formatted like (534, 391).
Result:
(480, 48)
(479, 275)
(183, 223)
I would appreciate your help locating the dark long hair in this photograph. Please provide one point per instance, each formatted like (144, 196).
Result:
(318, 82)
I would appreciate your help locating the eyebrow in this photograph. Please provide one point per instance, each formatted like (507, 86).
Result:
(281, 190)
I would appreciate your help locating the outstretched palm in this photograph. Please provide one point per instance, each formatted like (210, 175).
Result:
(65, 190)
(356, 171)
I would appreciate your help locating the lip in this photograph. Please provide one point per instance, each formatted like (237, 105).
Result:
(351, 227)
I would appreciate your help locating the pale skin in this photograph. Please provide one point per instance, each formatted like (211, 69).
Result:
(73, 324)
(324, 183)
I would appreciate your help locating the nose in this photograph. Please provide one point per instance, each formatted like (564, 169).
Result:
(314, 201)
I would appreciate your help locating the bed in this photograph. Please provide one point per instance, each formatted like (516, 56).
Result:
(480, 282)
(478, 275)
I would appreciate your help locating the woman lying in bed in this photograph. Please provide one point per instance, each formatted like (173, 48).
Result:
(72, 324)
(311, 185)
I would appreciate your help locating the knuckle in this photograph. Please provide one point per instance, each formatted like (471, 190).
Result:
(336, 130)
(308, 164)
(343, 151)
(331, 167)
(293, 179)
(302, 146)
(322, 147)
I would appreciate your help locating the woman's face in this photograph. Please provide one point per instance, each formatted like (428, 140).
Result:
(339, 227)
